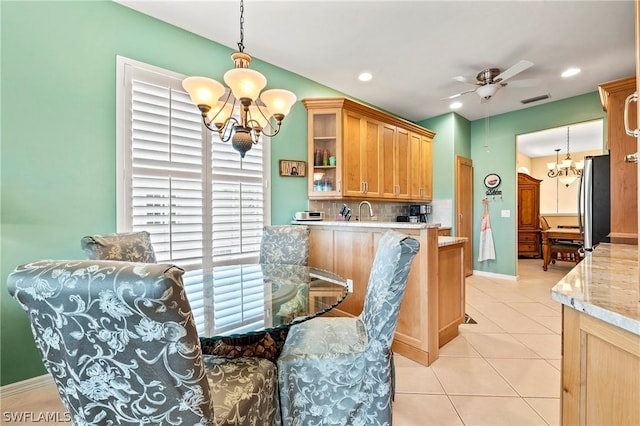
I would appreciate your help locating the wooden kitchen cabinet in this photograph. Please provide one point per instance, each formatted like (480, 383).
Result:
(376, 157)
(624, 176)
(529, 232)
(421, 187)
(395, 157)
(324, 136)
(600, 365)
(361, 156)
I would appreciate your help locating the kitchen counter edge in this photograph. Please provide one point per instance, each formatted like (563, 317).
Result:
(442, 240)
(605, 286)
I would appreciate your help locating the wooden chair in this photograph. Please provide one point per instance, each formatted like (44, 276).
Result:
(565, 250)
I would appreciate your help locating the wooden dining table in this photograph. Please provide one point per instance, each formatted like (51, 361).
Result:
(567, 234)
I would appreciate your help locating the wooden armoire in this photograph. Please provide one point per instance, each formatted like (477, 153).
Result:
(529, 232)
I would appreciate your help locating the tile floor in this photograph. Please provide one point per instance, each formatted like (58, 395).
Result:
(504, 370)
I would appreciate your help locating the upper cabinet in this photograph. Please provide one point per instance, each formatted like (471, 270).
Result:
(624, 176)
(375, 155)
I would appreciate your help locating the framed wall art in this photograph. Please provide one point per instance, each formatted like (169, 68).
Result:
(293, 168)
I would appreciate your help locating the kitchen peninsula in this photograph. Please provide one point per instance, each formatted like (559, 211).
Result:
(434, 302)
(601, 338)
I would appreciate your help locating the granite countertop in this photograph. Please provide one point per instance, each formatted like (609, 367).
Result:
(605, 286)
(368, 224)
(449, 241)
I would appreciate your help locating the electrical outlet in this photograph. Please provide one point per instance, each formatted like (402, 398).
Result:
(505, 213)
(350, 286)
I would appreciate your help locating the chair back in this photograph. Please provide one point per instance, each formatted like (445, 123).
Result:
(544, 225)
(285, 244)
(118, 338)
(124, 246)
(387, 284)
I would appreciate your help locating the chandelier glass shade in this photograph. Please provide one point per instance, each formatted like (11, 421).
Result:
(566, 171)
(241, 112)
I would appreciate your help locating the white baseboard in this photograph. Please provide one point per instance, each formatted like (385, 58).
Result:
(25, 385)
(494, 275)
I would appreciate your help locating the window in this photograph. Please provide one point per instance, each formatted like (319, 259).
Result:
(203, 205)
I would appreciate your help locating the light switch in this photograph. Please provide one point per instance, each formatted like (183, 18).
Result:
(505, 213)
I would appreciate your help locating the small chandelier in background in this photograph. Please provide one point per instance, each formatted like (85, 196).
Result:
(565, 171)
(257, 112)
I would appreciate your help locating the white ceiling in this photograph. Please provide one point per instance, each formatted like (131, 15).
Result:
(415, 48)
(585, 136)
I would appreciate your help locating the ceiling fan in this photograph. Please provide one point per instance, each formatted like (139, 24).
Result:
(490, 80)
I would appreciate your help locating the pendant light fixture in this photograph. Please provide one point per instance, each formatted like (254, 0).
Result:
(565, 171)
(259, 113)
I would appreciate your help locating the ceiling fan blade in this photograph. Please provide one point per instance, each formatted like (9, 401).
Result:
(513, 70)
(457, 94)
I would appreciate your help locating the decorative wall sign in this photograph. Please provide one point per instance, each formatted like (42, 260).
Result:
(492, 180)
(293, 168)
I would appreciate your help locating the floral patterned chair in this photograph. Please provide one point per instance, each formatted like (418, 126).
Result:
(338, 371)
(120, 341)
(288, 244)
(125, 246)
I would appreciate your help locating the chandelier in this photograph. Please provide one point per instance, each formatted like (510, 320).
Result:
(565, 171)
(259, 113)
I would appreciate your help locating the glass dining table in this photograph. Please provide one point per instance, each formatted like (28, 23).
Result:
(241, 309)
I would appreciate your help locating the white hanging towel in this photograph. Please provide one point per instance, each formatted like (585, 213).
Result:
(486, 248)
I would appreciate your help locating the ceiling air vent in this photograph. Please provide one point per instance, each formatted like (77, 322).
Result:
(536, 98)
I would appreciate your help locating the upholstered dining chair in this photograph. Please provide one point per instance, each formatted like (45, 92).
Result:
(124, 246)
(561, 249)
(338, 371)
(120, 341)
(285, 244)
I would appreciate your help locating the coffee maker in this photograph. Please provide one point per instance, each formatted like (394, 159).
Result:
(419, 212)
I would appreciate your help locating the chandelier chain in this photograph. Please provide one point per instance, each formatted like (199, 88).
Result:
(241, 42)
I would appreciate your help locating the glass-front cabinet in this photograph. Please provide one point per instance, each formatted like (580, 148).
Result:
(325, 133)
(356, 151)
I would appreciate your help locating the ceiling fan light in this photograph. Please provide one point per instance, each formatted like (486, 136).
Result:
(487, 91)
(203, 90)
(278, 101)
(245, 83)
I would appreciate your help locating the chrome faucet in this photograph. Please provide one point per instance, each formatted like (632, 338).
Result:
(360, 210)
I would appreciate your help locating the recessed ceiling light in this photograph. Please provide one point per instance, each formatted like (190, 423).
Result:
(455, 105)
(365, 76)
(570, 72)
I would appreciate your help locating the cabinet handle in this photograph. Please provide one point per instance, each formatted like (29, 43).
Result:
(362, 187)
(339, 186)
(366, 187)
(631, 98)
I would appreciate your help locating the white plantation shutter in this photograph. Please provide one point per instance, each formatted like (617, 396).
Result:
(201, 204)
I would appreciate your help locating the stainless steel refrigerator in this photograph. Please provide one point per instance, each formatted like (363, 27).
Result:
(594, 201)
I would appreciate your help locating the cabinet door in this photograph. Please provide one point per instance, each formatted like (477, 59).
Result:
(352, 164)
(426, 154)
(388, 166)
(324, 135)
(371, 158)
(415, 182)
(402, 163)
(354, 253)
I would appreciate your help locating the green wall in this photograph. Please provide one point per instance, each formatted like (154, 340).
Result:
(453, 137)
(58, 134)
(493, 150)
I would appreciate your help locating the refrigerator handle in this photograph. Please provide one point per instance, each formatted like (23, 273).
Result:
(580, 224)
